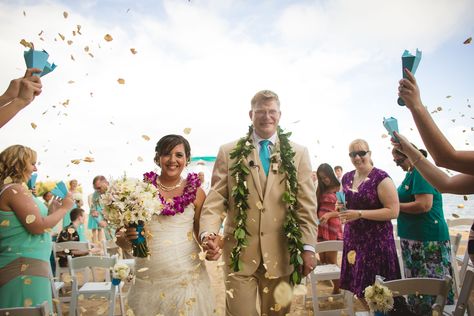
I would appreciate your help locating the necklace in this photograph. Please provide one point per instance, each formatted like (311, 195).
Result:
(168, 188)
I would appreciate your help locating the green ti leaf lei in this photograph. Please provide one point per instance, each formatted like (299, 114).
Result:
(239, 172)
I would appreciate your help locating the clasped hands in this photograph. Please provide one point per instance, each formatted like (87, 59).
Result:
(212, 245)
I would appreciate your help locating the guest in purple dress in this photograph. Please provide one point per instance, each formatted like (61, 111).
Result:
(371, 201)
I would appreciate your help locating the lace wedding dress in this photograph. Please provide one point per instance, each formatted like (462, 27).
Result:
(174, 280)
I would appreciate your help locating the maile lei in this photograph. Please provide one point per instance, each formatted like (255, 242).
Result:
(240, 193)
(177, 204)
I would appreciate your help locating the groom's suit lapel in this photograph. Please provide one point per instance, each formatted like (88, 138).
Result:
(256, 172)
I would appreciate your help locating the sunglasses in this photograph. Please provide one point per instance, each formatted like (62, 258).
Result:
(360, 153)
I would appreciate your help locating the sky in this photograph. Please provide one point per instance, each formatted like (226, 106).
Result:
(334, 64)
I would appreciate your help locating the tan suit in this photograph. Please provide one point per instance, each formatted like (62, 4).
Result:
(267, 250)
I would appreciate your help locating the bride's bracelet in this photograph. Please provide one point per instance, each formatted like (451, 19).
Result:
(417, 160)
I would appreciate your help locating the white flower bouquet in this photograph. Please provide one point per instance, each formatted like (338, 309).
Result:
(379, 298)
(130, 202)
(121, 272)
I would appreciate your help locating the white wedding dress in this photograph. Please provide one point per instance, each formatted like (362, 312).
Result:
(174, 281)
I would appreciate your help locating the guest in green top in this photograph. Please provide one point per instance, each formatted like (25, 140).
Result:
(423, 232)
(25, 244)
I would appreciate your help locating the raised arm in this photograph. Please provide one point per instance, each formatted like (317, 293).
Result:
(20, 202)
(458, 184)
(436, 143)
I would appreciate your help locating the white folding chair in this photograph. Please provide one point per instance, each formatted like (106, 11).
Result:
(398, 246)
(40, 310)
(56, 286)
(455, 242)
(67, 246)
(423, 286)
(329, 272)
(464, 225)
(463, 302)
(110, 248)
(88, 289)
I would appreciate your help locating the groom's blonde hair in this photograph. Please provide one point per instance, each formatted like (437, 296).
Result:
(264, 95)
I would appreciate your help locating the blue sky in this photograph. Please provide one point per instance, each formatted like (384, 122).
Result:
(335, 65)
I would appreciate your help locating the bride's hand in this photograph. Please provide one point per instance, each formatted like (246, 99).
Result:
(132, 233)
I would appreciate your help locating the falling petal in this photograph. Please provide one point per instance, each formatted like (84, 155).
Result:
(266, 290)
(27, 281)
(108, 37)
(62, 36)
(448, 96)
(384, 136)
(351, 256)
(69, 42)
(26, 44)
(121, 81)
(30, 219)
(70, 81)
(5, 223)
(7, 180)
(461, 205)
(146, 137)
(65, 14)
(133, 50)
(88, 159)
(76, 161)
(465, 197)
(39, 34)
(230, 293)
(72, 57)
(283, 294)
(90, 54)
(187, 130)
(139, 158)
(24, 13)
(23, 267)
(27, 302)
(439, 108)
(202, 255)
(468, 41)
(455, 215)
(142, 270)
(33, 125)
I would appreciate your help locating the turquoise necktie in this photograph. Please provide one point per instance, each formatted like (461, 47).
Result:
(265, 155)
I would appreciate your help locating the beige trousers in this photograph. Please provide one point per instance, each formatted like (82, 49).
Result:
(247, 291)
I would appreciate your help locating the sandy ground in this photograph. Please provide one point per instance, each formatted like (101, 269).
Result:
(99, 306)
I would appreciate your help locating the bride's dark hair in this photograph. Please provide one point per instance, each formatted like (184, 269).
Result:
(166, 144)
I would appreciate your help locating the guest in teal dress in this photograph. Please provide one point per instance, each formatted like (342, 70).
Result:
(25, 243)
(96, 221)
(423, 232)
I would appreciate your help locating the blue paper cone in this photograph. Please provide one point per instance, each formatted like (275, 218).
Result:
(32, 181)
(391, 125)
(411, 63)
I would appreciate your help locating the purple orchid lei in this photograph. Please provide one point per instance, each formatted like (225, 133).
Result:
(176, 205)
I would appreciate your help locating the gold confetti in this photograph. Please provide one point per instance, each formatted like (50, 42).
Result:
(468, 41)
(187, 130)
(48, 230)
(69, 42)
(142, 270)
(162, 295)
(88, 159)
(24, 267)
(461, 205)
(133, 50)
(79, 29)
(130, 312)
(439, 108)
(108, 37)
(86, 49)
(90, 54)
(139, 158)
(62, 36)
(33, 125)
(65, 14)
(121, 81)
(448, 97)
(27, 44)
(5, 223)
(283, 294)
(76, 161)
(146, 137)
(265, 290)
(30, 219)
(351, 256)
(24, 13)
(7, 180)
(455, 215)
(27, 302)
(190, 235)
(230, 293)
(72, 57)
(27, 281)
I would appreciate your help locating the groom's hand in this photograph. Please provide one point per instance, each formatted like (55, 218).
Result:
(309, 262)
(210, 244)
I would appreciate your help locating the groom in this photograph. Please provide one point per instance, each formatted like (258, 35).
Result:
(249, 179)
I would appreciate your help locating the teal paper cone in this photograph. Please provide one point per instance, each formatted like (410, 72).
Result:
(391, 125)
(411, 63)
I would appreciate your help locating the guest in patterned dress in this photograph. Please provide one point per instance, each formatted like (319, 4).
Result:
(426, 248)
(25, 243)
(371, 201)
(330, 225)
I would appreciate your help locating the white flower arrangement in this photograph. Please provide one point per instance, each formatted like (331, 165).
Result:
(379, 298)
(129, 200)
(121, 272)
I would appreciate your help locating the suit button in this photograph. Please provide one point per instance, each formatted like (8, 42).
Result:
(261, 234)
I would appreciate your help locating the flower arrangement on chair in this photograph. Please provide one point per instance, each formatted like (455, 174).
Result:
(379, 298)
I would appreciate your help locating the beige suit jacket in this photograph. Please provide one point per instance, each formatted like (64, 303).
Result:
(266, 237)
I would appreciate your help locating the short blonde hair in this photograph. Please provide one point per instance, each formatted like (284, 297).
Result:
(13, 162)
(359, 141)
(264, 95)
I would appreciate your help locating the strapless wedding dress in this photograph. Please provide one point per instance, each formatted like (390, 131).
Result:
(174, 280)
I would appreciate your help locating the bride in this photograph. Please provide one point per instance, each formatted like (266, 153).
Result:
(173, 281)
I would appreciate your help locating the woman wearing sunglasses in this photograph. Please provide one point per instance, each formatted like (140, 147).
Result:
(426, 248)
(372, 202)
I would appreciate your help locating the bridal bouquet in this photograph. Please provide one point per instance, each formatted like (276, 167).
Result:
(130, 202)
(121, 272)
(379, 298)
